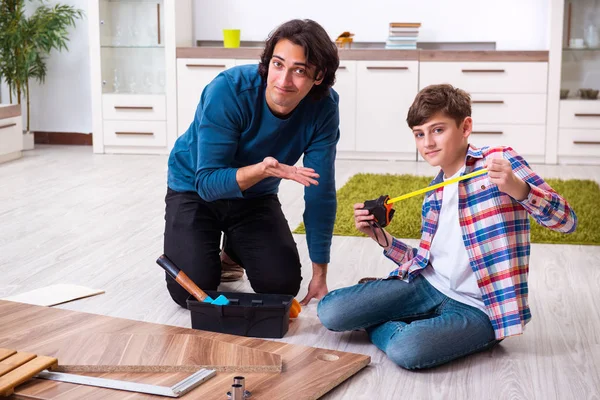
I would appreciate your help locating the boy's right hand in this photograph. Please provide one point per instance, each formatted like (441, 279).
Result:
(363, 220)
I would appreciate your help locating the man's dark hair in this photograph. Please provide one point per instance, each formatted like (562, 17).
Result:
(319, 51)
(453, 102)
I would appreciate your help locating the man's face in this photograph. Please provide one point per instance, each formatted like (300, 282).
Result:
(289, 78)
(441, 143)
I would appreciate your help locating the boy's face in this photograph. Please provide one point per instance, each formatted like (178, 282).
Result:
(442, 143)
(289, 79)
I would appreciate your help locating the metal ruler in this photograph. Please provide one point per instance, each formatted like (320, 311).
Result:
(177, 390)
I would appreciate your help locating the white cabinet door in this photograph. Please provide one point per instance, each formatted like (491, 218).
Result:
(584, 114)
(135, 133)
(384, 91)
(193, 74)
(527, 140)
(136, 107)
(11, 138)
(345, 86)
(487, 77)
(512, 109)
(579, 143)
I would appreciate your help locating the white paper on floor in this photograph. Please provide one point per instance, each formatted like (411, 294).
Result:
(54, 294)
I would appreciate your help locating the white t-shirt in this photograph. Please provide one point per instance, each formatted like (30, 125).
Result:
(450, 271)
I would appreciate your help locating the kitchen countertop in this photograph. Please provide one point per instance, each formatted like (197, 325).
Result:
(380, 54)
(484, 55)
(9, 110)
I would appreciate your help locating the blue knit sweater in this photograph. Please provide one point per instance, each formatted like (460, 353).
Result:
(233, 128)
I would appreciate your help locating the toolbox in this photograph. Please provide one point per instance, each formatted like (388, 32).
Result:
(247, 314)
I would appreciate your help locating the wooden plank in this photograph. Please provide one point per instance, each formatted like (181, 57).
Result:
(23, 373)
(125, 352)
(14, 361)
(306, 370)
(54, 294)
(4, 353)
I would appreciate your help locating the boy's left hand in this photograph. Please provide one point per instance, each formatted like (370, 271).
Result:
(502, 175)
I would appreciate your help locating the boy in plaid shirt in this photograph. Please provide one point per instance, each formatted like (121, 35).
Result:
(464, 288)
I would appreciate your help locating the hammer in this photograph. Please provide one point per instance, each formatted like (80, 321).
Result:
(200, 295)
(189, 285)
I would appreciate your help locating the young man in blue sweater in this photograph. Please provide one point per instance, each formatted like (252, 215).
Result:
(253, 123)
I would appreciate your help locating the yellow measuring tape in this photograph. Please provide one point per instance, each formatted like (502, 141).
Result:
(438, 185)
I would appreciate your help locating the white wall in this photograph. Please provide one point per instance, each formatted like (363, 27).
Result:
(512, 24)
(62, 103)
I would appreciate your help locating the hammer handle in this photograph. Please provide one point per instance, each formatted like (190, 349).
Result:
(181, 278)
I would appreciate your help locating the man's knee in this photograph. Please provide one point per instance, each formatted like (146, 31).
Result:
(282, 284)
(279, 272)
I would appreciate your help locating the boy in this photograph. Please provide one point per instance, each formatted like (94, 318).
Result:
(464, 288)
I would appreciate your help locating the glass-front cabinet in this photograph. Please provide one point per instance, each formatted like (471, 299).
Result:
(133, 73)
(132, 46)
(579, 111)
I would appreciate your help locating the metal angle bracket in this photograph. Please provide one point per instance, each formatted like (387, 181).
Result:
(177, 390)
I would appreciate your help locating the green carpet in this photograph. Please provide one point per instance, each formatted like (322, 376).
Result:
(582, 195)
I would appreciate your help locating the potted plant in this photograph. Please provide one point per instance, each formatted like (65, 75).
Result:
(27, 36)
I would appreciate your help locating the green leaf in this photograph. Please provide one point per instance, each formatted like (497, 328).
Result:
(26, 41)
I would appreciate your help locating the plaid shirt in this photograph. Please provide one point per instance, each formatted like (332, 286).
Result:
(495, 231)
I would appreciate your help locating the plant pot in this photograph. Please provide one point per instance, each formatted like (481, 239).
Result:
(28, 142)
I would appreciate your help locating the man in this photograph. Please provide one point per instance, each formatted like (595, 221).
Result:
(253, 123)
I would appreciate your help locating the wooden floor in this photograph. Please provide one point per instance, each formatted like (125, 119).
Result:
(68, 216)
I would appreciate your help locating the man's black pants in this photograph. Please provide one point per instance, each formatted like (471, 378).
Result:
(258, 238)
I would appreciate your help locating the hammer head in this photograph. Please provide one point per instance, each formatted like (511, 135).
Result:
(220, 301)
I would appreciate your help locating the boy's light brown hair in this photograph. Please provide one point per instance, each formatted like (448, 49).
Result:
(453, 102)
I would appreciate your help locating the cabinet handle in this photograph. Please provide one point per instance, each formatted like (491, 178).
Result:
(398, 68)
(586, 142)
(133, 107)
(135, 133)
(8, 125)
(342, 67)
(587, 115)
(205, 65)
(487, 132)
(158, 21)
(487, 101)
(482, 70)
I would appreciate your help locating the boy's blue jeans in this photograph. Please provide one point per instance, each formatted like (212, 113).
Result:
(413, 323)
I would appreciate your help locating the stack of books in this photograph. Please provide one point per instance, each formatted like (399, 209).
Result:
(403, 35)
